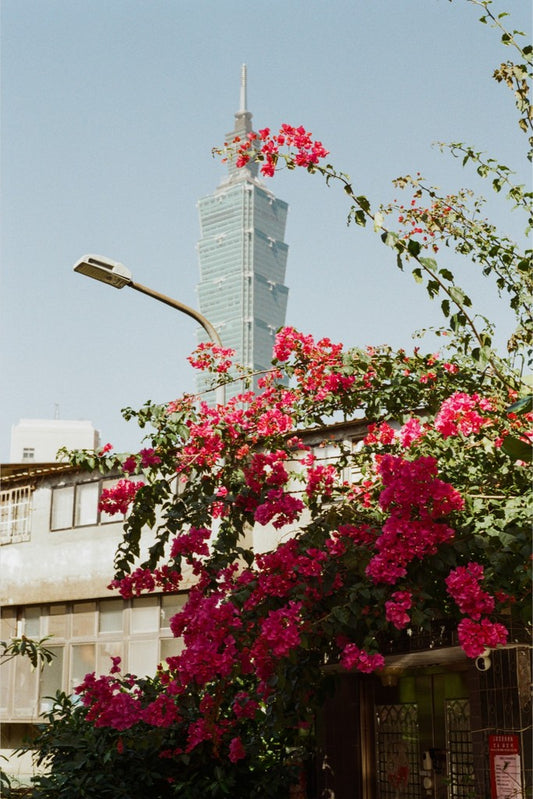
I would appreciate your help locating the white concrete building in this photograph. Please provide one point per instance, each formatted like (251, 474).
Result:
(56, 561)
(38, 440)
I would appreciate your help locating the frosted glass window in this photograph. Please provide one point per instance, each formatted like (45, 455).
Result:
(83, 619)
(5, 680)
(32, 622)
(8, 623)
(145, 615)
(143, 657)
(51, 679)
(170, 605)
(170, 647)
(83, 662)
(62, 507)
(25, 693)
(111, 616)
(106, 651)
(57, 621)
(86, 510)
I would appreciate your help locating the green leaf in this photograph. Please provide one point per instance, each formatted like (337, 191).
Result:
(430, 264)
(517, 449)
(413, 247)
(359, 217)
(523, 405)
(391, 239)
(459, 297)
(446, 274)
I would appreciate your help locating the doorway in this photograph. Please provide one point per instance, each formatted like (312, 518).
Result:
(423, 739)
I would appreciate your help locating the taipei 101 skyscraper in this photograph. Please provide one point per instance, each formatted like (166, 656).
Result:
(242, 258)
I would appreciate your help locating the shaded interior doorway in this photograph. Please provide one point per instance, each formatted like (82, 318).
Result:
(422, 736)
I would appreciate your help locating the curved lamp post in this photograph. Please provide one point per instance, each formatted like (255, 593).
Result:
(116, 274)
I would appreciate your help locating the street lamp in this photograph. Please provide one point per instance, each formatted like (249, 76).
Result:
(116, 274)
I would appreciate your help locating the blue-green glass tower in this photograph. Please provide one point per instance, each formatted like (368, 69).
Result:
(243, 257)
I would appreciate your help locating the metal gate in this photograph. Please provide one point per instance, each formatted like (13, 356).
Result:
(424, 743)
(398, 751)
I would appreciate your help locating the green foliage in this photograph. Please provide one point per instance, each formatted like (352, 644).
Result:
(86, 762)
(35, 651)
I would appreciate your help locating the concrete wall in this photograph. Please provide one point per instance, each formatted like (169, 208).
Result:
(57, 565)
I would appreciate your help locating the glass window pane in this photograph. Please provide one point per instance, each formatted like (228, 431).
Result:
(51, 679)
(25, 694)
(110, 620)
(83, 662)
(57, 621)
(143, 657)
(62, 505)
(8, 623)
(86, 511)
(145, 614)
(170, 647)
(106, 517)
(111, 649)
(83, 619)
(32, 622)
(5, 685)
(170, 605)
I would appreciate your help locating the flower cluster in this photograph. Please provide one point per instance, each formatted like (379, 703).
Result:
(209, 357)
(476, 636)
(147, 580)
(191, 543)
(317, 365)
(265, 147)
(354, 658)
(416, 501)
(396, 609)
(426, 222)
(463, 584)
(119, 497)
(460, 414)
(144, 459)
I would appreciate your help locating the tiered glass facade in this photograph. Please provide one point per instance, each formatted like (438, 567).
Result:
(243, 258)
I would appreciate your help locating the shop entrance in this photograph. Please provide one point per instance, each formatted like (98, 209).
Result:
(423, 736)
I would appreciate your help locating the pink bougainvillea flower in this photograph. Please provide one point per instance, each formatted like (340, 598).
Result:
(119, 497)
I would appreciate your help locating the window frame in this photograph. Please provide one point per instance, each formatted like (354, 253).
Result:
(74, 511)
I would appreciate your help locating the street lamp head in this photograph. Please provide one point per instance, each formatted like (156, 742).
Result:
(105, 270)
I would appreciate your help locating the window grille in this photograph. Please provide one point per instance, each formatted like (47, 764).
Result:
(460, 752)
(15, 509)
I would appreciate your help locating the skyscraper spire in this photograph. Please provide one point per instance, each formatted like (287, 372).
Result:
(243, 103)
(242, 127)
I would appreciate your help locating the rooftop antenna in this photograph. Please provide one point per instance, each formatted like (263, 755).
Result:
(243, 102)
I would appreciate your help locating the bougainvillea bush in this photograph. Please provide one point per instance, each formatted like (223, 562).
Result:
(424, 522)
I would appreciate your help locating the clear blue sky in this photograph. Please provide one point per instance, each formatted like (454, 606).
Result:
(110, 109)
